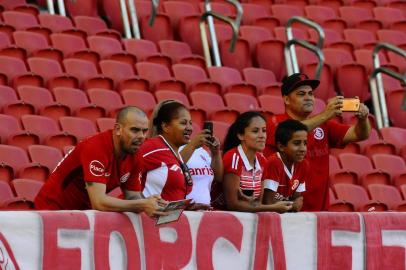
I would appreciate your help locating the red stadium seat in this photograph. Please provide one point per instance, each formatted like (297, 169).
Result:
(107, 99)
(123, 75)
(253, 12)
(57, 23)
(78, 102)
(27, 188)
(48, 131)
(161, 30)
(165, 94)
(180, 52)
(82, 7)
(71, 44)
(87, 74)
(10, 125)
(241, 102)
(141, 99)
(389, 195)
(274, 104)
(360, 38)
(7, 95)
(45, 155)
(388, 15)
(392, 36)
(231, 80)
(20, 20)
(6, 194)
(361, 18)
(325, 16)
(394, 102)
(52, 72)
(394, 135)
(394, 165)
(212, 104)
(357, 196)
(220, 130)
(366, 173)
(146, 50)
(364, 57)
(270, 55)
(13, 159)
(284, 12)
(195, 78)
(110, 48)
(17, 73)
(263, 79)
(254, 34)
(177, 10)
(340, 175)
(104, 124)
(159, 76)
(337, 205)
(95, 26)
(80, 127)
(352, 81)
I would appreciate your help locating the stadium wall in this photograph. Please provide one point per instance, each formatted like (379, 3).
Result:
(202, 240)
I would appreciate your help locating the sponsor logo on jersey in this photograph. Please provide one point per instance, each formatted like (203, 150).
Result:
(96, 168)
(295, 184)
(319, 133)
(201, 171)
(174, 168)
(125, 177)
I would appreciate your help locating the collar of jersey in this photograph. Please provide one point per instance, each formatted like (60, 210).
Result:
(244, 158)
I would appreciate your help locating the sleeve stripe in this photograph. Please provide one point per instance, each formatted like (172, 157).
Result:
(271, 184)
(234, 163)
(156, 150)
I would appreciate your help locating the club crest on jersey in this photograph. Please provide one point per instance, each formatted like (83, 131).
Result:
(319, 133)
(96, 168)
(125, 177)
(295, 184)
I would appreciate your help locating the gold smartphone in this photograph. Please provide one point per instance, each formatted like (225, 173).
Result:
(350, 105)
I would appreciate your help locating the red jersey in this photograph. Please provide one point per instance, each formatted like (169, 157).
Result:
(285, 183)
(319, 141)
(236, 162)
(160, 172)
(92, 160)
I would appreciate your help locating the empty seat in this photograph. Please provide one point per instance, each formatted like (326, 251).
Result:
(57, 23)
(394, 135)
(45, 155)
(389, 195)
(388, 15)
(394, 165)
(357, 17)
(325, 16)
(164, 95)
(337, 205)
(367, 174)
(27, 188)
(87, 74)
(397, 115)
(161, 30)
(181, 52)
(209, 102)
(82, 7)
(274, 104)
(70, 44)
(95, 26)
(364, 57)
(17, 73)
(141, 99)
(263, 79)
(253, 12)
(340, 175)
(104, 124)
(178, 9)
(358, 196)
(20, 20)
(231, 80)
(352, 81)
(285, 12)
(107, 99)
(52, 72)
(195, 78)
(7, 95)
(110, 48)
(241, 102)
(220, 130)
(13, 159)
(10, 125)
(6, 194)
(360, 38)
(123, 75)
(48, 131)
(392, 36)
(159, 76)
(146, 50)
(77, 126)
(270, 55)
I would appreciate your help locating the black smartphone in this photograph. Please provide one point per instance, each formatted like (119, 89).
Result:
(248, 192)
(209, 126)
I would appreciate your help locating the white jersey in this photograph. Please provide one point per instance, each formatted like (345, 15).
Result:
(202, 174)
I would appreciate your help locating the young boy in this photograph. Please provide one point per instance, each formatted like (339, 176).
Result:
(286, 171)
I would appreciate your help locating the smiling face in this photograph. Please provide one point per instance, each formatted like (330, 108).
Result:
(254, 136)
(295, 149)
(131, 132)
(179, 129)
(300, 101)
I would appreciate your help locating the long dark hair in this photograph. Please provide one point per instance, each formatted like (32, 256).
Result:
(164, 112)
(238, 127)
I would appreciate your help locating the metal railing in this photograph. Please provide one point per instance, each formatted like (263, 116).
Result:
(376, 83)
(292, 65)
(234, 23)
(61, 7)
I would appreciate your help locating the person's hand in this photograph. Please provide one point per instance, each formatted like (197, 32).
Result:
(333, 107)
(243, 197)
(214, 146)
(297, 204)
(198, 206)
(282, 206)
(363, 112)
(154, 206)
(202, 138)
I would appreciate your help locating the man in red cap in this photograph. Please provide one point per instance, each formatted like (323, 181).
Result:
(297, 91)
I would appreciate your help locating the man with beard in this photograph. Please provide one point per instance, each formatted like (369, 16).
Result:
(324, 132)
(96, 166)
